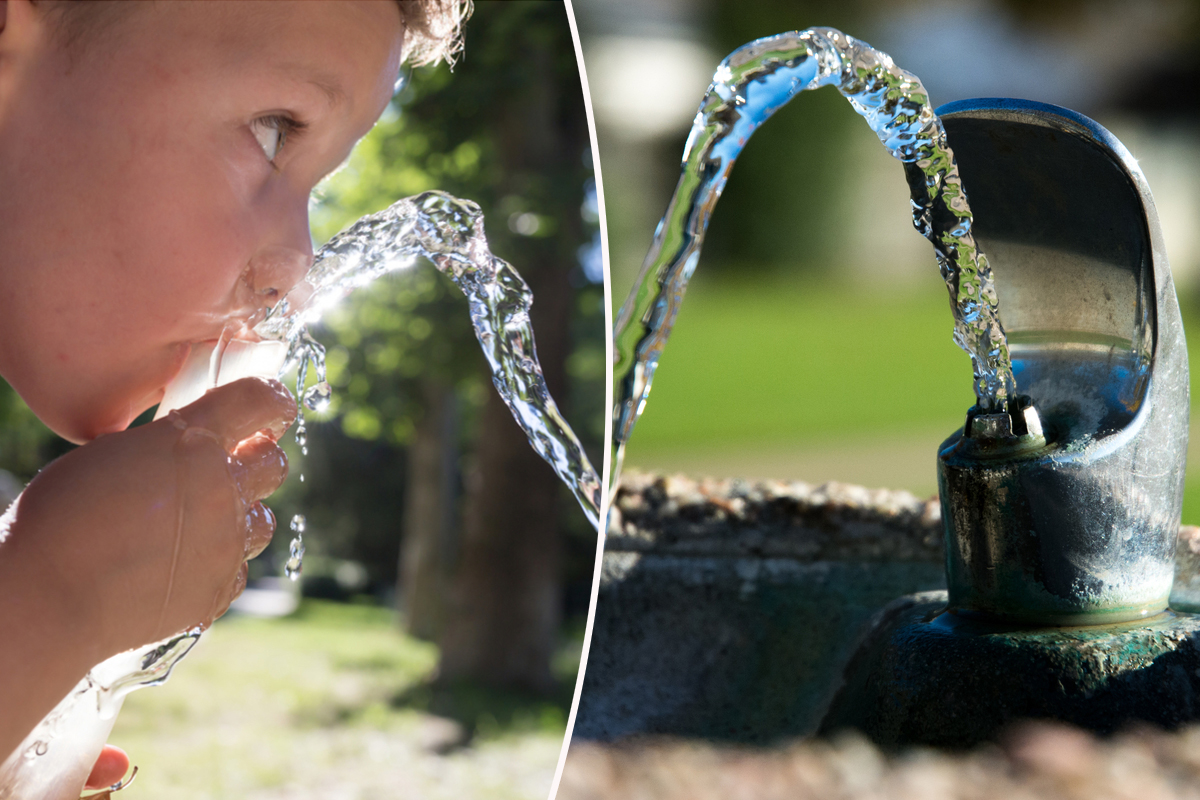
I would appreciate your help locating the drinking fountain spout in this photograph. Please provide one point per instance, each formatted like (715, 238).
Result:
(1079, 526)
(1061, 510)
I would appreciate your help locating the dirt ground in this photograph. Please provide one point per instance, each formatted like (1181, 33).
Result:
(1036, 761)
(333, 703)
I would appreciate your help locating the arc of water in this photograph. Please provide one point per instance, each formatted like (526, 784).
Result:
(750, 85)
(449, 233)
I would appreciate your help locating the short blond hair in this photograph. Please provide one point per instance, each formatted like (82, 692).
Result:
(433, 29)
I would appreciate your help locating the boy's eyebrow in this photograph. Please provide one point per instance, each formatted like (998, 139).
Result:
(330, 87)
(326, 82)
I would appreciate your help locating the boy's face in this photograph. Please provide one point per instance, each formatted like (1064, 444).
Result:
(143, 205)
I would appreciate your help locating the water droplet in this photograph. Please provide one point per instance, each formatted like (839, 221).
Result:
(299, 523)
(318, 396)
(295, 562)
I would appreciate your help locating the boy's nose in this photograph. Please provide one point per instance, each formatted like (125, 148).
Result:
(285, 251)
(276, 269)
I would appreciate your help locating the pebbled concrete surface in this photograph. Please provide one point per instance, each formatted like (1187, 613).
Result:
(729, 609)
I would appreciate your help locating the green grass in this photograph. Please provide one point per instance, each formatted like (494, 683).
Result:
(335, 701)
(791, 360)
(792, 378)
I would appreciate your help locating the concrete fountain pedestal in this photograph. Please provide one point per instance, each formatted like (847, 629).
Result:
(746, 612)
(926, 677)
(728, 609)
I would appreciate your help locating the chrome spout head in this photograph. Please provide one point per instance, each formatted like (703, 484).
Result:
(1077, 524)
(1004, 434)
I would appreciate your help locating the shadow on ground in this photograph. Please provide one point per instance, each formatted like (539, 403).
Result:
(487, 712)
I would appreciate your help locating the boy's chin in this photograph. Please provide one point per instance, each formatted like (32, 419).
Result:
(84, 431)
(81, 428)
(110, 406)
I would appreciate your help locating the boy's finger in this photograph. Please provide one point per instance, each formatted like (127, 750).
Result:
(259, 466)
(260, 527)
(241, 409)
(111, 766)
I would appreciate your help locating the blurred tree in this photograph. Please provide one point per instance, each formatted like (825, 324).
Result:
(510, 133)
(780, 202)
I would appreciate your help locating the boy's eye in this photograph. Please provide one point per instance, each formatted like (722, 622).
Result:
(272, 132)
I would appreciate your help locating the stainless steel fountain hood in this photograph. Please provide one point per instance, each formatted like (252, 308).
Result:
(1083, 529)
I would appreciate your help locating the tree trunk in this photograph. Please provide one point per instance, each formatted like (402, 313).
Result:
(505, 602)
(429, 518)
(505, 605)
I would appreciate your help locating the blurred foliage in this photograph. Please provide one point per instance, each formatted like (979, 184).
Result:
(24, 441)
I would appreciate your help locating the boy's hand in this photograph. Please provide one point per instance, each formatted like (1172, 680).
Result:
(141, 534)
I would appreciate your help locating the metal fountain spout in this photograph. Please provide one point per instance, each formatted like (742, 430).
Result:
(1061, 512)
(1066, 511)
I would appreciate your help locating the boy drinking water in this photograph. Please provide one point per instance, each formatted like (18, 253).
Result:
(156, 160)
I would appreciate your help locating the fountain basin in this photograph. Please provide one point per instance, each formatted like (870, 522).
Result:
(727, 609)
(730, 610)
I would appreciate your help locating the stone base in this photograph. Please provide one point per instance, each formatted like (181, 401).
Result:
(728, 610)
(926, 677)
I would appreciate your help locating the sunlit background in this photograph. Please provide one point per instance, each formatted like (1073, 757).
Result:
(814, 343)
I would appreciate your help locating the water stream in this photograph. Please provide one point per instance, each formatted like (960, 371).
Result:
(750, 85)
(449, 233)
